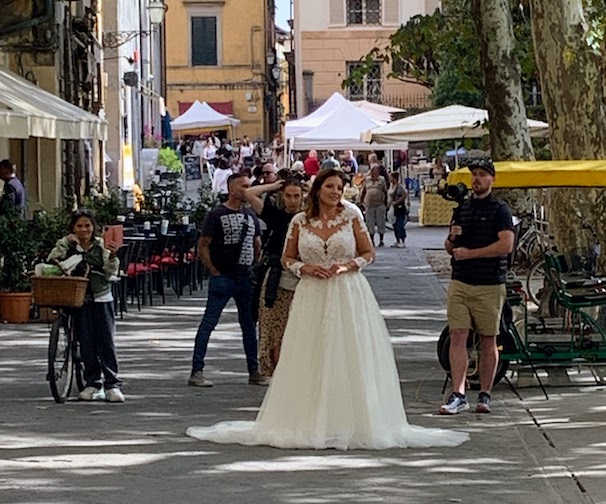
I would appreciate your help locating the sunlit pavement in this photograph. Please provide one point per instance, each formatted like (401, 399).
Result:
(526, 451)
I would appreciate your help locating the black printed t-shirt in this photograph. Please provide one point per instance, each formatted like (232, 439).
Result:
(225, 226)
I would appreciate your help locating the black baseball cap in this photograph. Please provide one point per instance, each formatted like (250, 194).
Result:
(483, 163)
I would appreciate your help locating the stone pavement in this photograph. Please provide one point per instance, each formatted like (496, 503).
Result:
(528, 450)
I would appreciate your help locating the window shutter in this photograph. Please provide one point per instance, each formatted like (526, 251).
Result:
(336, 15)
(204, 41)
(391, 12)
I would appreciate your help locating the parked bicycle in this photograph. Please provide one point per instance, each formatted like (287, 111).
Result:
(62, 293)
(64, 363)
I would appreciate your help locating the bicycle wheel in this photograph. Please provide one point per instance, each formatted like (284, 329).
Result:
(535, 280)
(60, 359)
(473, 351)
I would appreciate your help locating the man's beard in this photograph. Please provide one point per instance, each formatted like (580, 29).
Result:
(480, 191)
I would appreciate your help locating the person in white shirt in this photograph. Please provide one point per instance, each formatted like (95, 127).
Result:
(198, 148)
(215, 139)
(246, 152)
(209, 153)
(219, 185)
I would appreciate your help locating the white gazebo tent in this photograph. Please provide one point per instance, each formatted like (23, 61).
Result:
(452, 122)
(202, 116)
(313, 120)
(340, 131)
(377, 110)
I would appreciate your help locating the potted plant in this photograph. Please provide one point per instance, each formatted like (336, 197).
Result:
(18, 253)
(169, 158)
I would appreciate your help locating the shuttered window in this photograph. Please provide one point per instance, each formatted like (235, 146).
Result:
(204, 41)
(391, 12)
(336, 14)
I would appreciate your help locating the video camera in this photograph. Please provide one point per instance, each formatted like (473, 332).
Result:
(457, 193)
(460, 192)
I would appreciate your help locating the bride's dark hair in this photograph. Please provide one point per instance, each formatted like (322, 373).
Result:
(313, 203)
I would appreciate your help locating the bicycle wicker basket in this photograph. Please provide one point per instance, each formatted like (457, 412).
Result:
(59, 291)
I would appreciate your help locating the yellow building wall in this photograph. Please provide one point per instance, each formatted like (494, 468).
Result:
(326, 54)
(239, 76)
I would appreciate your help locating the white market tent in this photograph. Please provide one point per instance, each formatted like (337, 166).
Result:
(202, 116)
(452, 122)
(313, 120)
(376, 110)
(29, 111)
(340, 131)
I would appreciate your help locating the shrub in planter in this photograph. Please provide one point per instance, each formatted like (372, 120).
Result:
(19, 247)
(169, 158)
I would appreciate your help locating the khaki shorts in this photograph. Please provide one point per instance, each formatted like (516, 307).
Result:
(476, 307)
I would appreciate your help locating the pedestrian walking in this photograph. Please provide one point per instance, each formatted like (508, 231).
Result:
(228, 247)
(13, 194)
(219, 182)
(481, 236)
(312, 165)
(397, 198)
(374, 196)
(277, 284)
(94, 323)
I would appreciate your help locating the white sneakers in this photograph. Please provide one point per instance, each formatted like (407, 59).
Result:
(114, 395)
(94, 394)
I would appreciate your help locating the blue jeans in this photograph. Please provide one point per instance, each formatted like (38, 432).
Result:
(399, 227)
(220, 290)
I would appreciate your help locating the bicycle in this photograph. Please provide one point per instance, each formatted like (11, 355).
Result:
(64, 362)
(63, 294)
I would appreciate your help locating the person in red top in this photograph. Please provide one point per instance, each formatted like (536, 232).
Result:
(312, 165)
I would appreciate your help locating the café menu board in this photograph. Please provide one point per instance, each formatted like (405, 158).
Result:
(193, 170)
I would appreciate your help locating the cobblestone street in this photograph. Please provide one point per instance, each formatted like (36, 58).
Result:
(528, 450)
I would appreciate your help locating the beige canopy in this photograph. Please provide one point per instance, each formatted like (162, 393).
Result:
(29, 111)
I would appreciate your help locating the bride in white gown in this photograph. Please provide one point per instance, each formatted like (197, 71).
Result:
(336, 384)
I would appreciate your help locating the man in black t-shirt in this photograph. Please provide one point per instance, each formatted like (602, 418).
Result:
(481, 236)
(229, 246)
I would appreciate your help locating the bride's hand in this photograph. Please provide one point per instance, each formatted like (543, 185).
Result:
(316, 271)
(338, 269)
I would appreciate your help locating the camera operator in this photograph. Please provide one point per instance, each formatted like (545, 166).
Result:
(481, 236)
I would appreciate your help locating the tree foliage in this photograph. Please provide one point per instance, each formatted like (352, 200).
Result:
(441, 52)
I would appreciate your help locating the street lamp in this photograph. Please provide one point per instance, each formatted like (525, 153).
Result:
(275, 72)
(156, 10)
(270, 57)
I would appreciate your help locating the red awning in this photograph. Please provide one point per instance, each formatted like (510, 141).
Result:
(226, 108)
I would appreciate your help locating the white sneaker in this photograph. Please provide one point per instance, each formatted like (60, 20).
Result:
(91, 394)
(114, 395)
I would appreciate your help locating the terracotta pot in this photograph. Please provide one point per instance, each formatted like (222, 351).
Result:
(14, 307)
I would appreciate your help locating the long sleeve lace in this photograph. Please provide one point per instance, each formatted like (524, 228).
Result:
(290, 253)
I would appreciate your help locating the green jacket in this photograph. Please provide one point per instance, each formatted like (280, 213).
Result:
(97, 257)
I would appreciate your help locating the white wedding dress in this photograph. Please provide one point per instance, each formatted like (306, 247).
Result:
(336, 384)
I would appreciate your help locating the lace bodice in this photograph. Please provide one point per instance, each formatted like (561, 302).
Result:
(325, 246)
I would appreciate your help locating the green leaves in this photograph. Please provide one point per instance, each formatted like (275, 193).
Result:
(18, 252)
(442, 52)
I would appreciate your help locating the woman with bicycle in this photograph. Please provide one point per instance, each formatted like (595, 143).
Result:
(93, 323)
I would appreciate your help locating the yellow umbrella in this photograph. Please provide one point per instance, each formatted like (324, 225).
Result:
(541, 174)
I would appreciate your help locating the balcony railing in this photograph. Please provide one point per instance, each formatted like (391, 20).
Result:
(417, 102)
